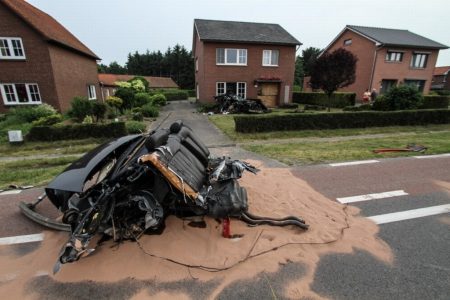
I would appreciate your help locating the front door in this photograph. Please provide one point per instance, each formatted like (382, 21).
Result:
(269, 92)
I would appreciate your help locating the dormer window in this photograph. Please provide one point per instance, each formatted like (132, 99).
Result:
(11, 48)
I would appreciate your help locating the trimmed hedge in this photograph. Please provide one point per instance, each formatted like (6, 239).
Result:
(338, 100)
(76, 131)
(268, 123)
(172, 95)
(192, 93)
(430, 101)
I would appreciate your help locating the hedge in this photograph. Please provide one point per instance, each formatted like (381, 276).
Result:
(172, 95)
(303, 121)
(76, 131)
(430, 101)
(338, 100)
(192, 93)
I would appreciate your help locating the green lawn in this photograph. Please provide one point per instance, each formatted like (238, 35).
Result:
(321, 152)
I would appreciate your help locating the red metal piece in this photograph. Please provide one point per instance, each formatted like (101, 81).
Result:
(226, 230)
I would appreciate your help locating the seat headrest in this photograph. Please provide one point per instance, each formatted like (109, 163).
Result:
(157, 139)
(176, 126)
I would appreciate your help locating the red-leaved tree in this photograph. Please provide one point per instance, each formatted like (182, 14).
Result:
(333, 71)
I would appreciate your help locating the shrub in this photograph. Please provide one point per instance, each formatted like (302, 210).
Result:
(435, 102)
(127, 97)
(150, 111)
(192, 93)
(114, 102)
(99, 110)
(158, 99)
(81, 107)
(135, 127)
(141, 99)
(76, 131)
(88, 120)
(172, 95)
(49, 120)
(33, 113)
(338, 100)
(137, 116)
(400, 98)
(340, 120)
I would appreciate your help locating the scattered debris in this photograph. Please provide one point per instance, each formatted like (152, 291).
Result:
(127, 187)
(409, 148)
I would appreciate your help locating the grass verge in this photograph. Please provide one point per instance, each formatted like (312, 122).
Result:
(32, 171)
(324, 152)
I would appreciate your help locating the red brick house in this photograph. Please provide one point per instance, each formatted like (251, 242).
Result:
(108, 83)
(388, 57)
(40, 60)
(441, 79)
(252, 60)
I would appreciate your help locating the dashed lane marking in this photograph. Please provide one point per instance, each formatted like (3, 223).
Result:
(411, 214)
(21, 239)
(372, 196)
(11, 192)
(433, 156)
(353, 163)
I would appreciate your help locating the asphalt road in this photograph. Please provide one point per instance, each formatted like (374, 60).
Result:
(421, 246)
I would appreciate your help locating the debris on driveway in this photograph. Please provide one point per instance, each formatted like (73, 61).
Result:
(408, 148)
(231, 103)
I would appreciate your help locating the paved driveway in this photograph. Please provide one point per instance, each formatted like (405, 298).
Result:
(218, 143)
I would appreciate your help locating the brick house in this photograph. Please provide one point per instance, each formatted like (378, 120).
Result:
(108, 83)
(252, 60)
(388, 57)
(41, 61)
(441, 79)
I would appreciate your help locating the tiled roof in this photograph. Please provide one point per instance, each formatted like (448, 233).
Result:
(397, 37)
(47, 26)
(243, 32)
(441, 70)
(154, 82)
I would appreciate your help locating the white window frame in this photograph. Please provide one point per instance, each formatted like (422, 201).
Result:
(224, 88)
(239, 85)
(244, 95)
(92, 93)
(422, 61)
(394, 56)
(16, 96)
(240, 53)
(9, 46)
(269, 54)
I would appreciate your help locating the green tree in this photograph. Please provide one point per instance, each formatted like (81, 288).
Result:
(309, 56)
(332, 71)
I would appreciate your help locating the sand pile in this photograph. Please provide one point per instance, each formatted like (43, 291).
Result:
(184, 252)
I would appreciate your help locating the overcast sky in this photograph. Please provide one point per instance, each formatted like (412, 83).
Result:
(113, 28)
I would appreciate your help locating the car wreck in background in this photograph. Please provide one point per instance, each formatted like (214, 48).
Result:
(127, 187)
(233, 104)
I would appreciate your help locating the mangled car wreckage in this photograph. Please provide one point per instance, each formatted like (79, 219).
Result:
(128, 187)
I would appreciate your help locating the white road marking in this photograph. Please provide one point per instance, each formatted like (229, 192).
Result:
(21, 239)
(353, 163)
(411, 214)
(11, 192)
(433, 156)
(372, 196)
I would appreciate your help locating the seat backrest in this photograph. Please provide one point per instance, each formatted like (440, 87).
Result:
(191, 141)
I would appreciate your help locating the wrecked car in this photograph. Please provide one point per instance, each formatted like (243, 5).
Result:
(234, 104)
(127, 187)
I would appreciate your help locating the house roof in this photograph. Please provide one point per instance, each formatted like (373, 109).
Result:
(243, 32)
(441, 70)
(47, 26)
(154, 82)
(396, 37)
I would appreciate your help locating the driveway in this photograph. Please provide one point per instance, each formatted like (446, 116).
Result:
(218, 143)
